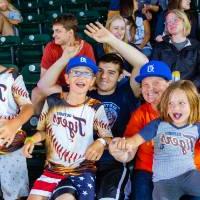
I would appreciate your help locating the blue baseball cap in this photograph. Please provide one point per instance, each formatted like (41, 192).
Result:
(79, 61)
(154, 68)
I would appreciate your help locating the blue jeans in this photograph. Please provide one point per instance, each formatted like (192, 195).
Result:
(142, 185)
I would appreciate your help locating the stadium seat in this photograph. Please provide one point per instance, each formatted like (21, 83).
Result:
(8, 47)
(31, 75)
(195, 5)
(32, 24)
(53, 5)
(85, 16)
(50, 16)
(75, 4)
(32, 6)
(31, 49)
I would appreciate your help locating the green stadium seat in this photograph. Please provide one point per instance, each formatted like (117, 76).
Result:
(31, 75)
(31, 49)
(51, 15)
(85, 16)
(33, 6)
(8, 48)
(77, 4)
(32, 24)
(41, 39)
(53, 5)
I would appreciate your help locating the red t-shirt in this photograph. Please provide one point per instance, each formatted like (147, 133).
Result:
(53, 52)
(144, 157)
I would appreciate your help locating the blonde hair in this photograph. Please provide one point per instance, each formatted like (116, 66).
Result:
(193, 98)
(10, 6)
(110, 20)
(182, 15)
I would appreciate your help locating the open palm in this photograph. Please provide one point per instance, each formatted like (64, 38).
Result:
(98, 32)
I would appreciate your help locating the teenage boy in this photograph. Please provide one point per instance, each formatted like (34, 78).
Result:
(65, 28)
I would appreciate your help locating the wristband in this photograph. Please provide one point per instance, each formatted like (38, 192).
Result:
(29, 139)
(103, 141)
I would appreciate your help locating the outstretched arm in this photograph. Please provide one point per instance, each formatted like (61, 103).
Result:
(47, 82)
(124, 149)
(99, 33)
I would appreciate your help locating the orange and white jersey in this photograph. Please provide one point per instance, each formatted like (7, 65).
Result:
(71, 129)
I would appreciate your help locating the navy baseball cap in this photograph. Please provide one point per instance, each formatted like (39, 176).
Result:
(80, 61)
(154, 68)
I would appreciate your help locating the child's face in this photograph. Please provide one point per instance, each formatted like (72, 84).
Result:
(80, 79)
(153, 88)
(179, 107)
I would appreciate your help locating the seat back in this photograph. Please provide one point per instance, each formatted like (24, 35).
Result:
(8, 47)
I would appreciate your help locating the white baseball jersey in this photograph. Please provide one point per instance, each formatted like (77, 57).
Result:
(13, 94)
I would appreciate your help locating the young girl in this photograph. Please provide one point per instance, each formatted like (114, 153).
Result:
(175, 135)
(69, 122)
(9, 16)
(16, 109)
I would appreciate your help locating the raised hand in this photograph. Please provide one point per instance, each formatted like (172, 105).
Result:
(72, 50)
(98, 32)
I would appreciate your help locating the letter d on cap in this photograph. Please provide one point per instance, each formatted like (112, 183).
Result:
(82, 59)
(150, 68)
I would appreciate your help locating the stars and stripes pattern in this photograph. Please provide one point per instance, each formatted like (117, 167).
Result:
(52, 185)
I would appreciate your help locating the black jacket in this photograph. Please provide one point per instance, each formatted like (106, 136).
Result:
(186, 61)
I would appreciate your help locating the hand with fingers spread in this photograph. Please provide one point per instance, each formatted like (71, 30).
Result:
(8, 130)
(98, 32)
(94, 151)
(71, 50)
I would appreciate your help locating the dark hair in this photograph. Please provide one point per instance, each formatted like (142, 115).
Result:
(69, 21)
(112, 58)
(174, 4)
(126, 8)
(126, 11)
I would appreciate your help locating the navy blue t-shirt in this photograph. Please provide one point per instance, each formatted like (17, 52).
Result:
(118, 107)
